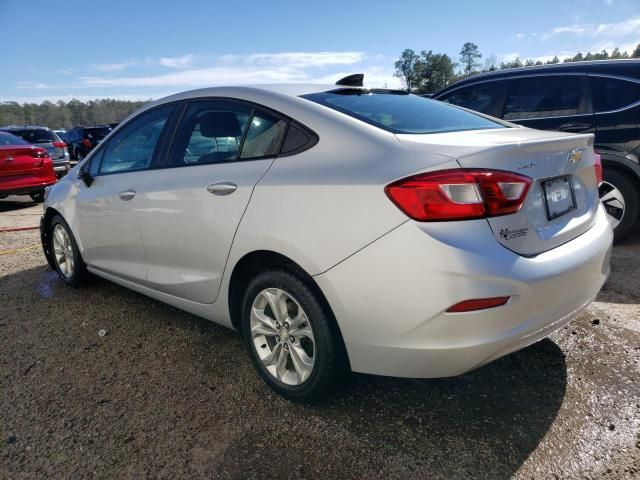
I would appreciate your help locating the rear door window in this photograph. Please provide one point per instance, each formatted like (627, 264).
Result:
(264, 136)
(613, 94)
(538, 97)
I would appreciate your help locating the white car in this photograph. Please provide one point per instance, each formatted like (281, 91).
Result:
(340, 228)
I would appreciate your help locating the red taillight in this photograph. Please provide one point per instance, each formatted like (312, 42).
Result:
(86, 142)
(598, 168)
(478, 304)
(39, 153)
(459, 194)
(59, 144)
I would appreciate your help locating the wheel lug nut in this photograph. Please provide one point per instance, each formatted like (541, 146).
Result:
(292, 338)
(286, 347)
(277, 324)
(286, 325)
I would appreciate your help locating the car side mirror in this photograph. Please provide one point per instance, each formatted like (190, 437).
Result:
(86, 177)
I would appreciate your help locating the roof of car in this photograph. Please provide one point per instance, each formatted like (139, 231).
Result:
(630, 67)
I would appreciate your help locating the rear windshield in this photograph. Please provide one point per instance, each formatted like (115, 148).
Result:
(400, 112)
(97, 133)
(33, 135)
(8, 139)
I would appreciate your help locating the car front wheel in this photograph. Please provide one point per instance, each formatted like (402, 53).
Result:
(293, 342)
(66, 255)
(620, 201)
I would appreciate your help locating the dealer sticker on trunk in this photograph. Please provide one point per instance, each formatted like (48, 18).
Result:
(509, 234)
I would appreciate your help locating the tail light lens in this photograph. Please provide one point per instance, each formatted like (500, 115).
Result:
(39, 153)
(59, 144)
(86, 142)
(459, 194)
(598, 167)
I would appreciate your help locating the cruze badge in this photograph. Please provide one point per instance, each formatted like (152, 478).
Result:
(531, 164)
(575, 156)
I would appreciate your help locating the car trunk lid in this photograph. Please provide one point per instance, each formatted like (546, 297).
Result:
(562, 200)
(18, 160)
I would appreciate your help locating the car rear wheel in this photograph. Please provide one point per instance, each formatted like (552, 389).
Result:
(66, 255)
(620, 201)
(38, 196)
(291, 339)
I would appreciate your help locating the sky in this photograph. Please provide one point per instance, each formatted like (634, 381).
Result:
(141, 49)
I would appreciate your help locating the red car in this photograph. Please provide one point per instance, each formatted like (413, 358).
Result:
(24, 169)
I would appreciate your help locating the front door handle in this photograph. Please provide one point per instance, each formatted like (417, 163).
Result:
(222, 188)
(574, 127)
(127, 195)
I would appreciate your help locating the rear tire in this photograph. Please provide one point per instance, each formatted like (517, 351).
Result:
(303, 333)
(66, 256)
(623, 212)
(38, 196)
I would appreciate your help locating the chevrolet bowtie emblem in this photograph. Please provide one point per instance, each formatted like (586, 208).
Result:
(575, 156)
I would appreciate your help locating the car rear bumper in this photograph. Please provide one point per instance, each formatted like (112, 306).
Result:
(391, 298)
(25, 189)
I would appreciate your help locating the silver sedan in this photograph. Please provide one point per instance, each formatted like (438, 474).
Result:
(340, 228)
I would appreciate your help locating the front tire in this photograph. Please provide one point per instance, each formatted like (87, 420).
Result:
(621, 202)
(292, 340)
(66, 256)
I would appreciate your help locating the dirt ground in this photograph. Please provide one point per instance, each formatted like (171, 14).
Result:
(167, 395)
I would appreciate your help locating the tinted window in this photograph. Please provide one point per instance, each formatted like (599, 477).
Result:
(264, 135)
(36, 135)
(210, 132)
(481, 98)
(295, 140)
(535, 97)
(132, 148)
(399, 112)
(8, 139)
(96, 133)
(611, 93)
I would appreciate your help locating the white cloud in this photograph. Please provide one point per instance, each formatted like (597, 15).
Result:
(254, 68)
(115, 67)
(32, 85)
(624, 28)
(178, 62)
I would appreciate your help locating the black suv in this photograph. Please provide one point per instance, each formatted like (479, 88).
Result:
(47, 139)
(80, 140)
(588, 97)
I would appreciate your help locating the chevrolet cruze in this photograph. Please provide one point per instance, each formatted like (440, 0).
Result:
(340, 228)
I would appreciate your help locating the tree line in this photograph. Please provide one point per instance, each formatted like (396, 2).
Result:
(67, 114)
(429, 72)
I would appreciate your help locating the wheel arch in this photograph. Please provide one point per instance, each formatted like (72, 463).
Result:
(251, 264)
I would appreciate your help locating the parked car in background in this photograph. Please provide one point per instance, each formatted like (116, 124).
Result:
(600, 97)
(24, 168)
(46, 138)
(339, 227)
(81, 140)
(60, 132)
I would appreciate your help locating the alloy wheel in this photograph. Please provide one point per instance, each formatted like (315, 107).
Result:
(613, 202)
(63, 251)
(282, 336)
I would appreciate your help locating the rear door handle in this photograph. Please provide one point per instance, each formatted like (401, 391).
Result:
(574, 127)
(127, 195)
(222, 188)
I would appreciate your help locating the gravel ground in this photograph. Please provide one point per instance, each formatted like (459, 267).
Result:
(164, 394)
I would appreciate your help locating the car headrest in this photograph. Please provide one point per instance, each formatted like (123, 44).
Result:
(220, 124)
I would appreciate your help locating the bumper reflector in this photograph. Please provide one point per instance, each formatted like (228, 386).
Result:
(477, 304)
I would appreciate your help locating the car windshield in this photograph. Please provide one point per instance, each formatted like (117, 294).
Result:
(8, 139)
(34, 135)
(400, 112)
(97, 133)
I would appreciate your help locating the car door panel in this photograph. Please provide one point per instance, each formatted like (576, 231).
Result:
(188, 224)
(108, 225)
